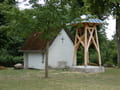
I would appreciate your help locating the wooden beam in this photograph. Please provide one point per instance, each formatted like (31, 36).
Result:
(80, 40)
(85, 48)
(90, 38)
(75, 49)
(99, 56)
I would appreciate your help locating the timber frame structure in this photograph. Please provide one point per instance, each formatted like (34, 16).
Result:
(86, 36)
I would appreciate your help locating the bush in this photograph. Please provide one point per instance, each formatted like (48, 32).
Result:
(10, 60)
(109, 63)
(18, 59)
(118, 65)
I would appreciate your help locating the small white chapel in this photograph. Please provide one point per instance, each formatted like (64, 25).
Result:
(60, 54)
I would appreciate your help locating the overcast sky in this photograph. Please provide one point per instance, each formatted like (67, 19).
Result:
(111, 22)
(111, 28)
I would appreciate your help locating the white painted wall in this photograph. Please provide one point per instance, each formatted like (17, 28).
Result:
(35, 60)
(61, 51)
(25, 60)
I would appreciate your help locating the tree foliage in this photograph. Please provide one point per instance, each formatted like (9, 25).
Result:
(47, 18)
(103, 8)
(9, 44)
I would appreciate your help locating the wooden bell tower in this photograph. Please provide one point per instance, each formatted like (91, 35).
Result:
(86, 36)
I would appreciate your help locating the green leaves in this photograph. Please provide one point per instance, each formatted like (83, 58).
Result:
(103, 7)
(48, 18)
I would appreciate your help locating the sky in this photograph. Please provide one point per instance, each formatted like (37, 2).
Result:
(110, 31)
(22, 3)
(111, 28)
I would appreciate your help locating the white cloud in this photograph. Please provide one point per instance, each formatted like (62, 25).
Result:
(24, 4)
(111, 28)
(83, 16)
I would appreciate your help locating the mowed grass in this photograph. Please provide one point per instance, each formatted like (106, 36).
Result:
(11, 79)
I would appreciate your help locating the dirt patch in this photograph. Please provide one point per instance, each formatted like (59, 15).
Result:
(2, 68)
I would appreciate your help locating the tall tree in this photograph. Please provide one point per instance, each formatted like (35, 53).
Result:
(9, 44)
(104, 8)
(5, 5)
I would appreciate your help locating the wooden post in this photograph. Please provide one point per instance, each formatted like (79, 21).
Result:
(75, 48)
(85, 48)
(88, 57)
(98, 50)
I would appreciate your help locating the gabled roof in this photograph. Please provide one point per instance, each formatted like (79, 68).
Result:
(90, 20)
(38, 44)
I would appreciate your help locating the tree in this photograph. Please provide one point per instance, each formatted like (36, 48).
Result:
(103, 8)
(47, 19)
(4, 6)
(9, 44)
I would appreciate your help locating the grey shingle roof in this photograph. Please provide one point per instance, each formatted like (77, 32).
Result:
(91, 20)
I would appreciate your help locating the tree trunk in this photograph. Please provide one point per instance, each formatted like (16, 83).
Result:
(118, 37)
(46, 61)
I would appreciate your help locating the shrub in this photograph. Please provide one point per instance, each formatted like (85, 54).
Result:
(18, 59)
(10, 60)
(118, 65)
(109, 63)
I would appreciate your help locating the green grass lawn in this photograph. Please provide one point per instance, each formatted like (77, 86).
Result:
(11, 79)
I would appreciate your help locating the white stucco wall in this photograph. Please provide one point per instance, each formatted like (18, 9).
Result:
(35, 60)
(61, 51)
(25, 60)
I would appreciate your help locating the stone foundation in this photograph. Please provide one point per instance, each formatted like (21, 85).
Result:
(87, 69)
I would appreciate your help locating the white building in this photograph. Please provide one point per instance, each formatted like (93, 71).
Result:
(60, 51)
